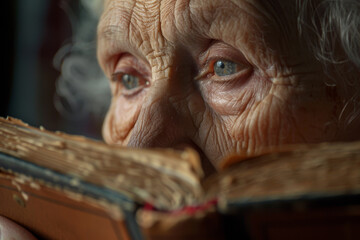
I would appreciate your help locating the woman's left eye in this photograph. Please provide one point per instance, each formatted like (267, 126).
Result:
(224, 68)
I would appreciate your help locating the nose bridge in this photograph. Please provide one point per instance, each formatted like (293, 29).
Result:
(164, 118)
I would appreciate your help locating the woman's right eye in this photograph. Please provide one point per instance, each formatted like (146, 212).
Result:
(130, 83)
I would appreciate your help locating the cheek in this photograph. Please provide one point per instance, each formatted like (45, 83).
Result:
(120, 120)
(284, 116)
(266, 123)
(315, 115)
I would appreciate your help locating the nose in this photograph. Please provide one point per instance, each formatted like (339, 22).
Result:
(169, 116)
(165, 118)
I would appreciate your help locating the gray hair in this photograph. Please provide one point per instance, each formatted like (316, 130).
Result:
(330, 21)
(331, 28)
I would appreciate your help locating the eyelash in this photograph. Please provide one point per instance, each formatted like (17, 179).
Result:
(209, 70)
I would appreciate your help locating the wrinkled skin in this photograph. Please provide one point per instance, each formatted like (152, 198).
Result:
(277, 96)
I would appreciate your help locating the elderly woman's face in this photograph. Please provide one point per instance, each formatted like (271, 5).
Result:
(221, 76)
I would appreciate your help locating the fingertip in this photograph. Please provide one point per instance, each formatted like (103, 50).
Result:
(11, 230)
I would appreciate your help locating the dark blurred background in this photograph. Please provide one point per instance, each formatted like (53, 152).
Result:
(40, 35)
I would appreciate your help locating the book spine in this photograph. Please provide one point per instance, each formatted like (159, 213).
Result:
(63, 194)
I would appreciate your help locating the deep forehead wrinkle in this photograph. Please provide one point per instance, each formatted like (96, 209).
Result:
(144, 26)
(131, 23)
(145, 13)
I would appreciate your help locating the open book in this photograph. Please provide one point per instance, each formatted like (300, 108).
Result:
(48, 179)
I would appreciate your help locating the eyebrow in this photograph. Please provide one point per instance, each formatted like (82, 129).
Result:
(110, 32)
(116, 39)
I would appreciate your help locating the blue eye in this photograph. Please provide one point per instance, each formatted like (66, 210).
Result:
(225, 68)
(130, 81)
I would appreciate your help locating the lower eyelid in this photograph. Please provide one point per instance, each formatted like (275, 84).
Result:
(132, 92)
(241, 75)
